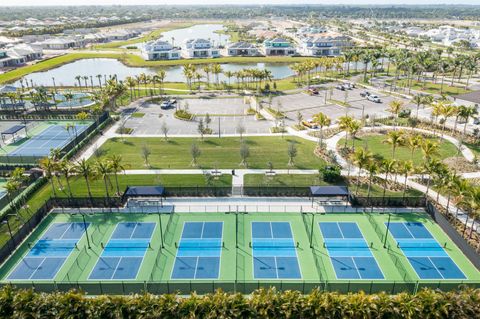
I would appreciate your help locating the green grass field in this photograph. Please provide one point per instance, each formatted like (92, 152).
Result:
(222, 152)
(434, 88)
(375, 144)
(236, 255)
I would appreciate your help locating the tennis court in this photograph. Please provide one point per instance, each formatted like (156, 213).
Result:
(424, 253)
(349, 252)
(199, 251)
(274, 251)
(123, 254)
(53, 137)
(49, 253)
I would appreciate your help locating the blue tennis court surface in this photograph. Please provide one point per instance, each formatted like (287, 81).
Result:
(124, 252)
(53, 137)
(425, 253)
(274, 251)
(199, 251)
(47, 256)
(349, 252)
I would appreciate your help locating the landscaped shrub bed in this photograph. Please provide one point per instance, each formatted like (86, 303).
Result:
(261, 304)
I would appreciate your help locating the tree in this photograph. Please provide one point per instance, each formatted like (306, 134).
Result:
(344, 122)
(321, 120)
(299, 119)
(414, 142)
(395, 107)
(146, 152)
(244, 154)
(361, 158)
(164, 128)
(116, 166)
(240, 130)
(49, 166)
(208, 120)
(85, 169)
(201, 128)
(103, 169)
(195, 152)
(292, 153)
(406, 168)
(67, 170)
(395, 139)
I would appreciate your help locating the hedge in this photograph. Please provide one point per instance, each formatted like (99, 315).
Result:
(261, 304)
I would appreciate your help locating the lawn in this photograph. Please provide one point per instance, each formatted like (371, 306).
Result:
(434, 88)
(221, 152)
(138, 114)
(306, 180)
(375, 144)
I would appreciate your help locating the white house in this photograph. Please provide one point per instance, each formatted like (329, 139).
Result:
(19, 54)
(200, 48)
(326, 44)
(279, 46)
(160, 50)
(242, 49)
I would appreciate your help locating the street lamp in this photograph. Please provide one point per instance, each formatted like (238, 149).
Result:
(85, 227)
(161, 228)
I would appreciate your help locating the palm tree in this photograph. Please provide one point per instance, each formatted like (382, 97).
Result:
(418, 100)
(372, 168)
(466, 112)
(116, 166)
(395, 107)
(130, 83)
(429, 149)
(321, 120)
(161, 75)
(361, 158)
(344, 123)
(406, 168)
(67, 170)
(86, 170)
(49, 166)
(413, 141)
(395, 139)
(103, 169)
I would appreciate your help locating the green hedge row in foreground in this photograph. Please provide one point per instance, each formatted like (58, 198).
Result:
(261, 304)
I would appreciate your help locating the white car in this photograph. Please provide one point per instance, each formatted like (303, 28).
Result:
(374, 98)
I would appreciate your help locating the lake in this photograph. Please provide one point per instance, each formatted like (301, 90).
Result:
(65, 74)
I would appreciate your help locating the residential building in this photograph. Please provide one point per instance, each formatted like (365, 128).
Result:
(160, 50)
(19, 54)
(200, 48)
(279, 46)
(62, 43)
(242, 49)
(325, 44)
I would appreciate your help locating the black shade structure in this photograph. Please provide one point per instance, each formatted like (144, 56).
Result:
(12, 131)
(144, 191)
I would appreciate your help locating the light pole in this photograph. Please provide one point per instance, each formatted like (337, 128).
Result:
(386, 232)
(85, 227)
(311, 230)
(161, 228)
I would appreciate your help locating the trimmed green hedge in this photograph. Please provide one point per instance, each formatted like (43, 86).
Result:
(261, 304)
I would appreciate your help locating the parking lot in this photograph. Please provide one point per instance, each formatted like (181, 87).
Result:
(228, 113)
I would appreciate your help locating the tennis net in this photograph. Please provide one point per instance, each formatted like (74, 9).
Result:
(52, 244)
(347, 244)
(273, 245)
(113, 245)
(200, 244)
(421, 244)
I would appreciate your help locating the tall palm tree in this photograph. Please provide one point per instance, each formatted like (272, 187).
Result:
(103, 169)
(361, 158)
(395, 107)
(406, 168)
(395, 139)
(49, 167)
(344, 122)
(116, 166)
(372, 168)
(413, 141)
(321, 120)
(387, 166)
(67, 169)
(86, 170)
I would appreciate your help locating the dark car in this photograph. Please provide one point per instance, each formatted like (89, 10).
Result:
(312, 91)
(365, 94)
(340, 87)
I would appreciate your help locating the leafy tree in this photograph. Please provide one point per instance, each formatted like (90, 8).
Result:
(244, 154)
(292, 153)
(146, 152)
(195, 152)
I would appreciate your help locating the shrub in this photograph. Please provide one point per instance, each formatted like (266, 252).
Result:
(331, 173)
(183, 115)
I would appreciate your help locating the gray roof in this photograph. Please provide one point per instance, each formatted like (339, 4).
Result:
(242, 45)
(329, 190)
(144, 191)
(7, 89)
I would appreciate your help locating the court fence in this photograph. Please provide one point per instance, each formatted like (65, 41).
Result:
(245, 287)
(265, 190)
(454, 235)
(388, 201)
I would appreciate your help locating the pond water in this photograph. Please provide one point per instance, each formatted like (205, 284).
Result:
(65, 74)
(204, 31)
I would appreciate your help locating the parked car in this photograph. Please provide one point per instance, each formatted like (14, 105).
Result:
(374, 98)
(312, 91)
(310, 123)
(340, 87)
(349, 86)
(173, 102)
(364, 94)
(476, 121)
(165, 105)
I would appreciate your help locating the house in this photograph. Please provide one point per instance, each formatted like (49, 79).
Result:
(62, 43)
(279, 46)
(200, 48)
(326, 44)
(242, 49)
(19, 54)
(160, 50)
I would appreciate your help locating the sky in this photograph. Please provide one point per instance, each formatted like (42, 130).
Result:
(226, 2)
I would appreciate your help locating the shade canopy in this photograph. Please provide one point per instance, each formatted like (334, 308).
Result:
(318, 191)
(144, 191)
(14, 129)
